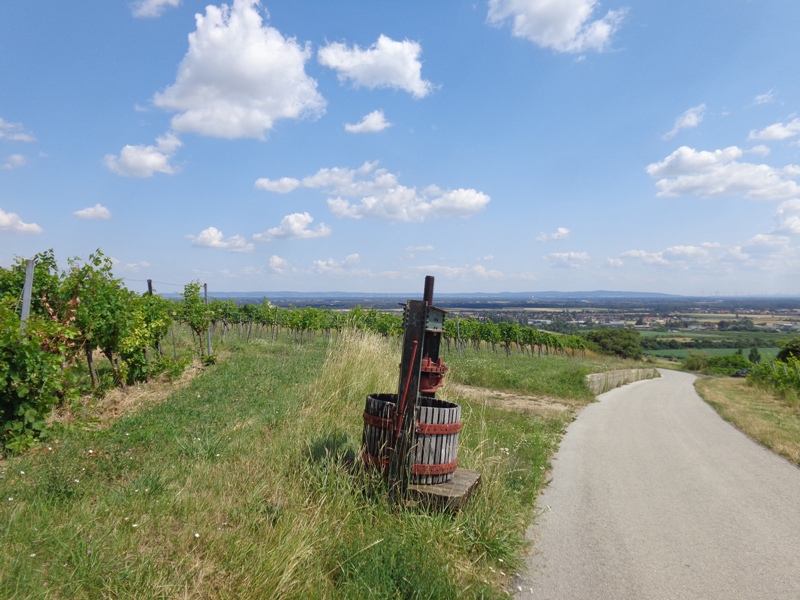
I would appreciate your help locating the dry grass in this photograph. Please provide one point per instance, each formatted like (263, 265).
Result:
(540, 406)
(117, 402)
(763, 417)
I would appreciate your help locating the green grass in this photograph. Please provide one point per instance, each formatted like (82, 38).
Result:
(554, 375)
(240, 486)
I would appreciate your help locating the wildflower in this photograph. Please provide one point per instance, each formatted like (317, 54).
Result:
(77, 480)
(22, 472)
(197, 535)
(33, 555)
(135, 524)
(10, 499)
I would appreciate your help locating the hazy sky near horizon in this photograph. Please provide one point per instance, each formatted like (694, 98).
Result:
(500, 145)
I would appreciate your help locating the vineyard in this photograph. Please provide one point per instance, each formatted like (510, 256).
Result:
(87, 333)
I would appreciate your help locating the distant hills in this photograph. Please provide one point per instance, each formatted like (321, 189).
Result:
(516, 296)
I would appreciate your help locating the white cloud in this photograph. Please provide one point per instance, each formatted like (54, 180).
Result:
(239, 76)
(562, 25)
(213, 238)
(691, 118)
(144, 161)
(562, 233)
(334, 267)
(371, 123)
(15, 161)
(766, 243)
(650, 258)
(573, 260)
(278, 264)
(98, 212)
(760, 150)
(382, 197)
(469, 273)
(614, 263)
(152, 8)
(687, 252)
(711, 174)
(387, 63)
(14, 132)
(12, 222)
(135, 267)
(295, 226)
(426, 248)
(777, 131)
(767, 98)
(789, 217)
(284, 185)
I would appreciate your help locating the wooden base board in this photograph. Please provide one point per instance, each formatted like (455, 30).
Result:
(451, 494)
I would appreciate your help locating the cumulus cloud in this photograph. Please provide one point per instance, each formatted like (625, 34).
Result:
(614, 263)
(12, 222)
(284, 185)
(239, 76)
(381, 196)
(719, 173)
(788, 217)
(335, 267)
(278, 264)
(691, 118)
(151, 8)
(213, 238)
(14, 132)
(563, 26)
(144, 161)
(650, 258)
(371, 123)
(572, 260)
(98, 212)
(777, 131)
(15, 161)
(762, 251)
(386, 64)
(295, 226)
(562, 233)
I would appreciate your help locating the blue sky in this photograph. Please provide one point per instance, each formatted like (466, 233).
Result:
(508, 145)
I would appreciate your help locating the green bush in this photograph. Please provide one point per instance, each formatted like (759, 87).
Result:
(32, 380)
(624, 343)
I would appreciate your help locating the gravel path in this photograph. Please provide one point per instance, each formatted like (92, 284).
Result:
(654, 496)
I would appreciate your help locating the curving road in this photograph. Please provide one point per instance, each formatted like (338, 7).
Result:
(654, 496)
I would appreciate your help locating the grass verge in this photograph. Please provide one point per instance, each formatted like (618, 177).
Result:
(241, 485)
(765, 418)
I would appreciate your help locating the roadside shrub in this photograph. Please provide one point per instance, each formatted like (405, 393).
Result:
(624, 343)
(790, 349)
(727, 364)
(696, 361)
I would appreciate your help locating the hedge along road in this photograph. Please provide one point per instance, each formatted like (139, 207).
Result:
(654, 496)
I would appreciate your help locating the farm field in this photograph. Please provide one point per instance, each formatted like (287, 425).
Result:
(679, 354)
